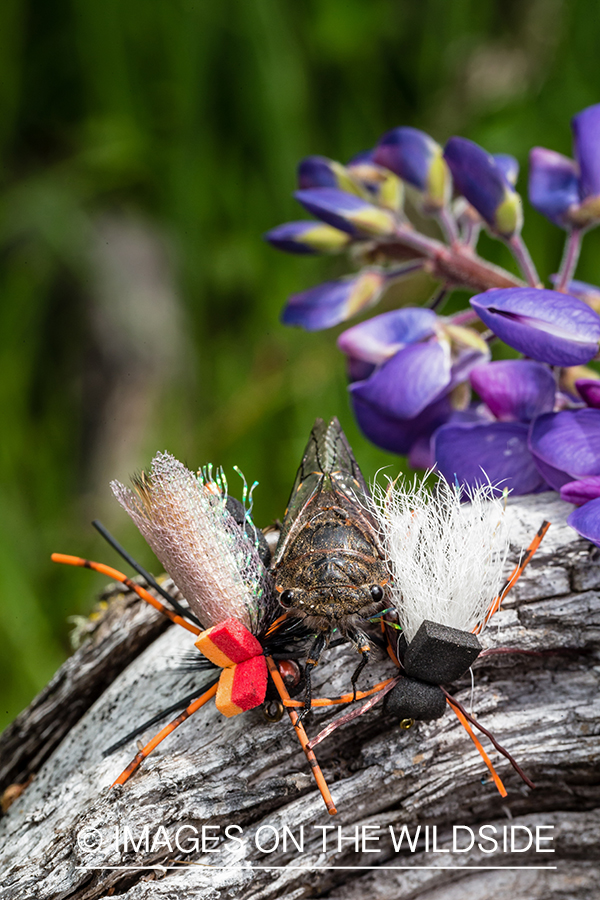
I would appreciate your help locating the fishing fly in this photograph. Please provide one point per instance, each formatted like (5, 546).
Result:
(425, 568)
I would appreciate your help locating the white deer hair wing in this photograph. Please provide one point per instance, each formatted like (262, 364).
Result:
(184, 518)
(446, 557)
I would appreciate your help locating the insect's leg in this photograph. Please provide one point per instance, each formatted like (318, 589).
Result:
(360, 642)
(156, 740)
(314, 656)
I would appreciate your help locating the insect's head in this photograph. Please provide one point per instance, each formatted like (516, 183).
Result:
(330, 599)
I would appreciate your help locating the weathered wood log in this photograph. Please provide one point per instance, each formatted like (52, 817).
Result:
(59, 839)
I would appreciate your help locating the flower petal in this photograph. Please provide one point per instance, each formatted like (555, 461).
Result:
(586, 134)
(549, 326)
(586, 520)
(416, 158)
(589, 293)
(481, 181)
(347, 211)
(308, 237)
(408, 382)
(321, 172)
(515, 389)
(589, 390)
(581, 491)
(497, 451)
(568, 442)
(509, 166)
(399, 435)
(381, 337)
(553, 185)
(333, 302)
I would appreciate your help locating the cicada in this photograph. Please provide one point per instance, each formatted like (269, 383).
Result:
(329, 564)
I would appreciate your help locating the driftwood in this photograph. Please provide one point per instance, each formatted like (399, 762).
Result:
(542, 705)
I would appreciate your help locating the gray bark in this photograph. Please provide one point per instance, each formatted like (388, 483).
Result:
(247, 772)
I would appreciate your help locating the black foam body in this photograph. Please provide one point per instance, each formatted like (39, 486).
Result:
(413, 699)
(439, 654)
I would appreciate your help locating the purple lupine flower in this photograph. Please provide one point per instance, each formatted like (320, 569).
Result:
(589, 391)
(515, 390)
(370, 343)
(581, 490)
(408, 382)
(381, 337)
(382, 185)
(589, 293)
(496, 452)
(566, 445)
(399, 435)
(482, 182)
(586, 148)
(418, 160)
(509, 166)
(321, 172)
(586, 520)
(333, 302)
(347, 211)
(415, 360)
(546, 325)
(308, 237)
(553, 185)
(567, 191)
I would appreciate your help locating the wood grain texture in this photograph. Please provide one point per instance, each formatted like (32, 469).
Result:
(543, 706)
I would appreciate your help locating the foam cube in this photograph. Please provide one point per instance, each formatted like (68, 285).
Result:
(439, 654)
(414, 699)
(228, 643)
(242, 686)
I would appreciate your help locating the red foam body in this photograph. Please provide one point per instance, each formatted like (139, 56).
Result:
(235, 641)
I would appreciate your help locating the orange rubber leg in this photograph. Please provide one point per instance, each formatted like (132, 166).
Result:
(502, 790)
(119, 576)
(345, 698)
(165, 732)
(515, 575)
(302, 737)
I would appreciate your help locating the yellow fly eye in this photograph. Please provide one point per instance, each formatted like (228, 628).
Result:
(407, 723)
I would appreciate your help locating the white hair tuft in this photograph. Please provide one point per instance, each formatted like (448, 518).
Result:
(446, 550)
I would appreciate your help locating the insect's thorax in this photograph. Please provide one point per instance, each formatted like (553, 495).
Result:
(331, 565)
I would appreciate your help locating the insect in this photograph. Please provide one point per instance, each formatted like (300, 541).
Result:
(329, 565)
(341, 559)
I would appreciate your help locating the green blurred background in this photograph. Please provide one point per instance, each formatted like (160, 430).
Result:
(146, 146)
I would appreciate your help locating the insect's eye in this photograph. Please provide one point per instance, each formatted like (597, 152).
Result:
(376, 592)
(286, 598)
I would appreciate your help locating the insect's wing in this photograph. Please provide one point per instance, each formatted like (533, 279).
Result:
(328, 471)
(212, 560)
